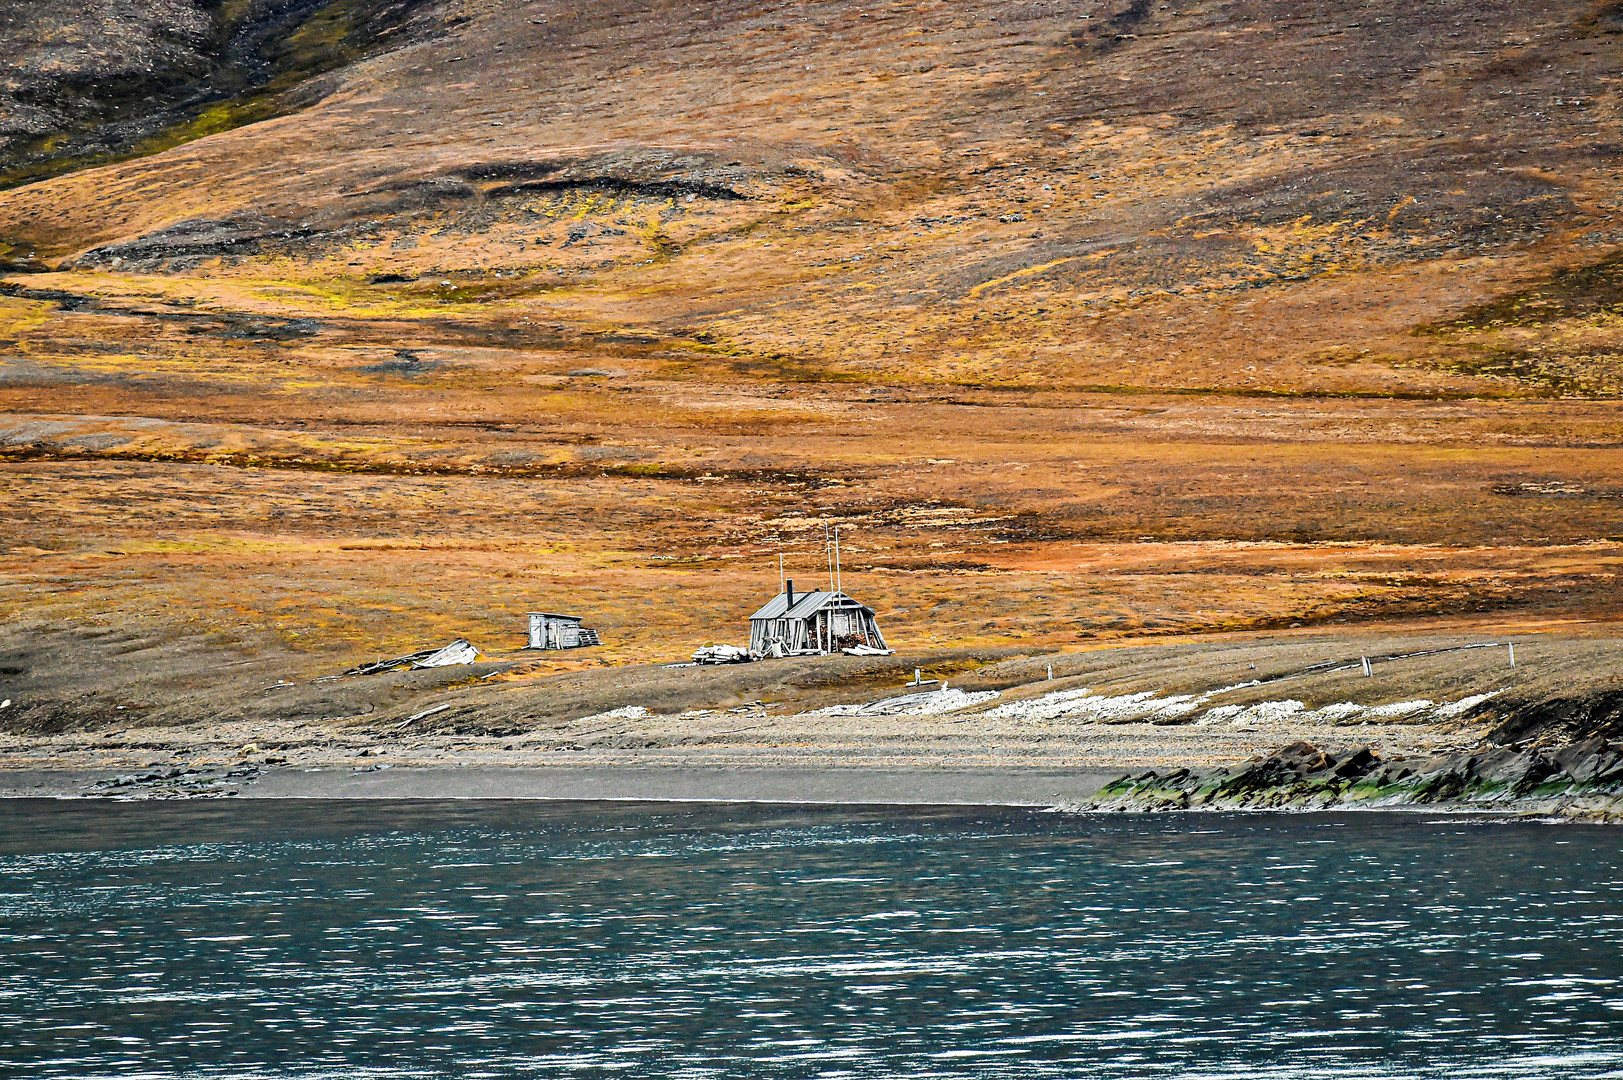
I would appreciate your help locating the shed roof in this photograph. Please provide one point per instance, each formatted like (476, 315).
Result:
(806, 605)
(555, 615)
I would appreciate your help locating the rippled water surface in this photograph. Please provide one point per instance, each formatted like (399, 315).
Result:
(494, 940)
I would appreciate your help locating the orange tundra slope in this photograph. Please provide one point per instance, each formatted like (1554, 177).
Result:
(1085, 321)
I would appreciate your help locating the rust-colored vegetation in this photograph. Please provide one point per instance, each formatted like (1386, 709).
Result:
(1085, 321)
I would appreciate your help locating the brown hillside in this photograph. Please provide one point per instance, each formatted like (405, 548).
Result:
(378, 323)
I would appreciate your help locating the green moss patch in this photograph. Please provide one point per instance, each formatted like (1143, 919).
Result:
(1575, 293)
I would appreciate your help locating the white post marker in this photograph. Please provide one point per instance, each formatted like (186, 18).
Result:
(1512, 654)
(1367, 670)
(1050, 672)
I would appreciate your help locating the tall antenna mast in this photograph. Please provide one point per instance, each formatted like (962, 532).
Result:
(828, 553)
(839, 579)
(780, 571)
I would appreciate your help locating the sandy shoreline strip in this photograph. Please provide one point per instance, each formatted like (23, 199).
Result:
(909, 787)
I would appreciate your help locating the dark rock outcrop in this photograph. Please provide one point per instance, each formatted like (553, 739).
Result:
(87, 83)
(194, 239)
(1569, 718)
(1582, 780)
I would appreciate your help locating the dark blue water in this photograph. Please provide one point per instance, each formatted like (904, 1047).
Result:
(496, 940)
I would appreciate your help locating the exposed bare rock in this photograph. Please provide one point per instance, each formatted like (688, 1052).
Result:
(1582, 780)
(88, 81)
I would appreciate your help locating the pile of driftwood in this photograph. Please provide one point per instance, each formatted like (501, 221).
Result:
(460, 651)
(722, 654)
(736, 654)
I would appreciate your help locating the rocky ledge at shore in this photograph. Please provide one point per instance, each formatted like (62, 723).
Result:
(1580, 780)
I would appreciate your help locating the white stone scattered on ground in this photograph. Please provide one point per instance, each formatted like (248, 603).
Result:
(1084, 704)
(929, 703)
(1148, 707)
(1268, 712)
(1340, 713)
(1396, 709)
(1464, 705)
(630, 712)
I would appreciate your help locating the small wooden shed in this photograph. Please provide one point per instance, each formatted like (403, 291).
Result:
(794, 623)
(549, 630)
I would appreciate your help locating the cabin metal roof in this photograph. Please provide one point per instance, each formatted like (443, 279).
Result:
(555, 615)
(806, 605)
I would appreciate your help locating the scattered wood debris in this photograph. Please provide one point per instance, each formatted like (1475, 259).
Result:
(722, 654)
(460, 651)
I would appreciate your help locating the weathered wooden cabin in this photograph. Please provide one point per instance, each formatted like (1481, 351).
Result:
(794, 623)
(549, 630)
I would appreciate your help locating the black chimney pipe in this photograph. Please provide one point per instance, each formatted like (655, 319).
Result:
(791, 584)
